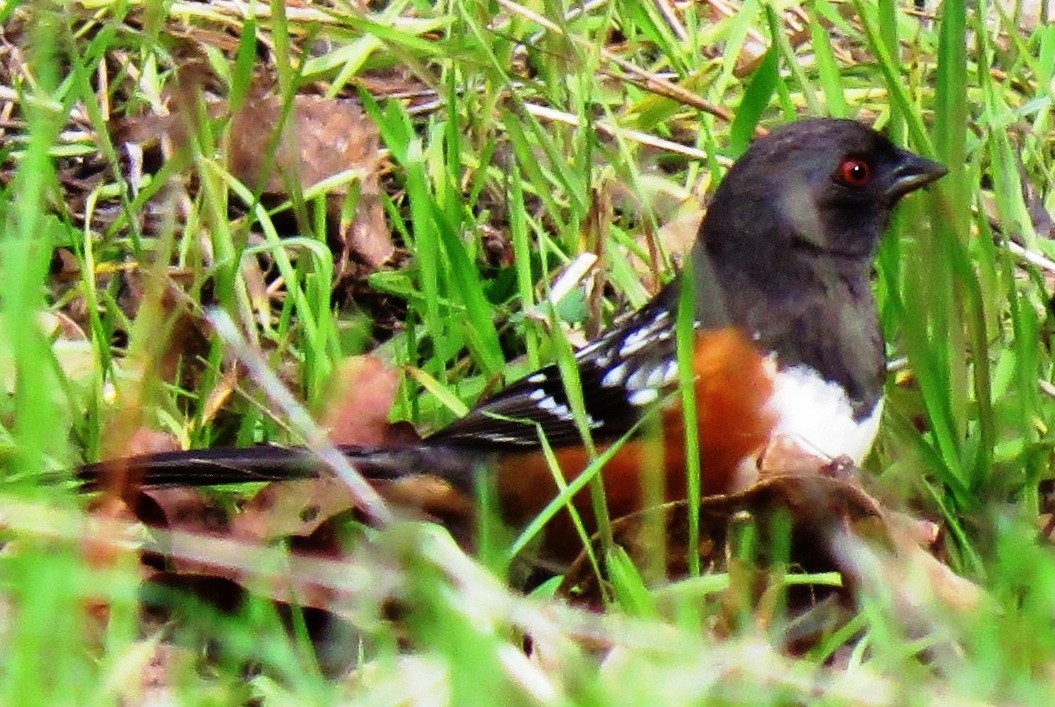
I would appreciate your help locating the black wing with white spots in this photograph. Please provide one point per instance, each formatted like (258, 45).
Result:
(622, 373)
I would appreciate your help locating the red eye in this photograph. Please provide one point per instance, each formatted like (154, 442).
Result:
(854, 172)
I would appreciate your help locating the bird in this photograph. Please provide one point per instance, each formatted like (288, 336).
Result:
(786, 346)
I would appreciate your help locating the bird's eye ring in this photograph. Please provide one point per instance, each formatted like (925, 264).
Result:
(854, 172)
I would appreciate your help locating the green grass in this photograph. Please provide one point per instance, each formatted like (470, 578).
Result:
(527, 126)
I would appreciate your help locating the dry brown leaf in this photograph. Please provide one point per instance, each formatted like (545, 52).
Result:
(816, 504)
(363, 390)
(321, 139)
(180, 508)
(306, 509)
(292, 508)
(918, 581)
(835, 525)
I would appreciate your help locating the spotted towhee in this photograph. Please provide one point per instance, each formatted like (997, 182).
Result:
(787, 346)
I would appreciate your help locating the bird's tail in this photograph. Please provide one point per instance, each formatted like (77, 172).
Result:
(211, 467)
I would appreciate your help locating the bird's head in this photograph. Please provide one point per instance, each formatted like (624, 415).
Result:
(811, 192)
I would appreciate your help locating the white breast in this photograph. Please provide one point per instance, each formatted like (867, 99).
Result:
(816, 414)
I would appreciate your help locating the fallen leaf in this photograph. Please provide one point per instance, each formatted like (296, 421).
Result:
(321, 139)
(815, 503)
(292, 508)
(311, 510)
(363, 390)
(187, 509)
(918, 583)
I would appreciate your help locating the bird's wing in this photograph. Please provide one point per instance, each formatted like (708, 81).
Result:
(622, 374)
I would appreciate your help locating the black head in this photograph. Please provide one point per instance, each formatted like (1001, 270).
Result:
(788, 243)
(813, 191)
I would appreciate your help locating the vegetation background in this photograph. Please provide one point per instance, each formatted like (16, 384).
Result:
(499, 146)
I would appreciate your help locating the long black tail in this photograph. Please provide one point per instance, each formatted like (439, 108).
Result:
(211, 467)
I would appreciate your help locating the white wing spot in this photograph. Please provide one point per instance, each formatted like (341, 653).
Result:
(558, 410)
(657, 377)
(596, 352)
(656, 329)
(536, 378)
(643, 396)
(635, 341)
(638, 380)
(603, 359)
(615, 377)
(536, 395)
(499, 437)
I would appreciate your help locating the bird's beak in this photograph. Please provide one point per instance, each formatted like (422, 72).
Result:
(912, 173)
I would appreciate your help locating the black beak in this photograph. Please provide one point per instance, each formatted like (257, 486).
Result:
(911, 173)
